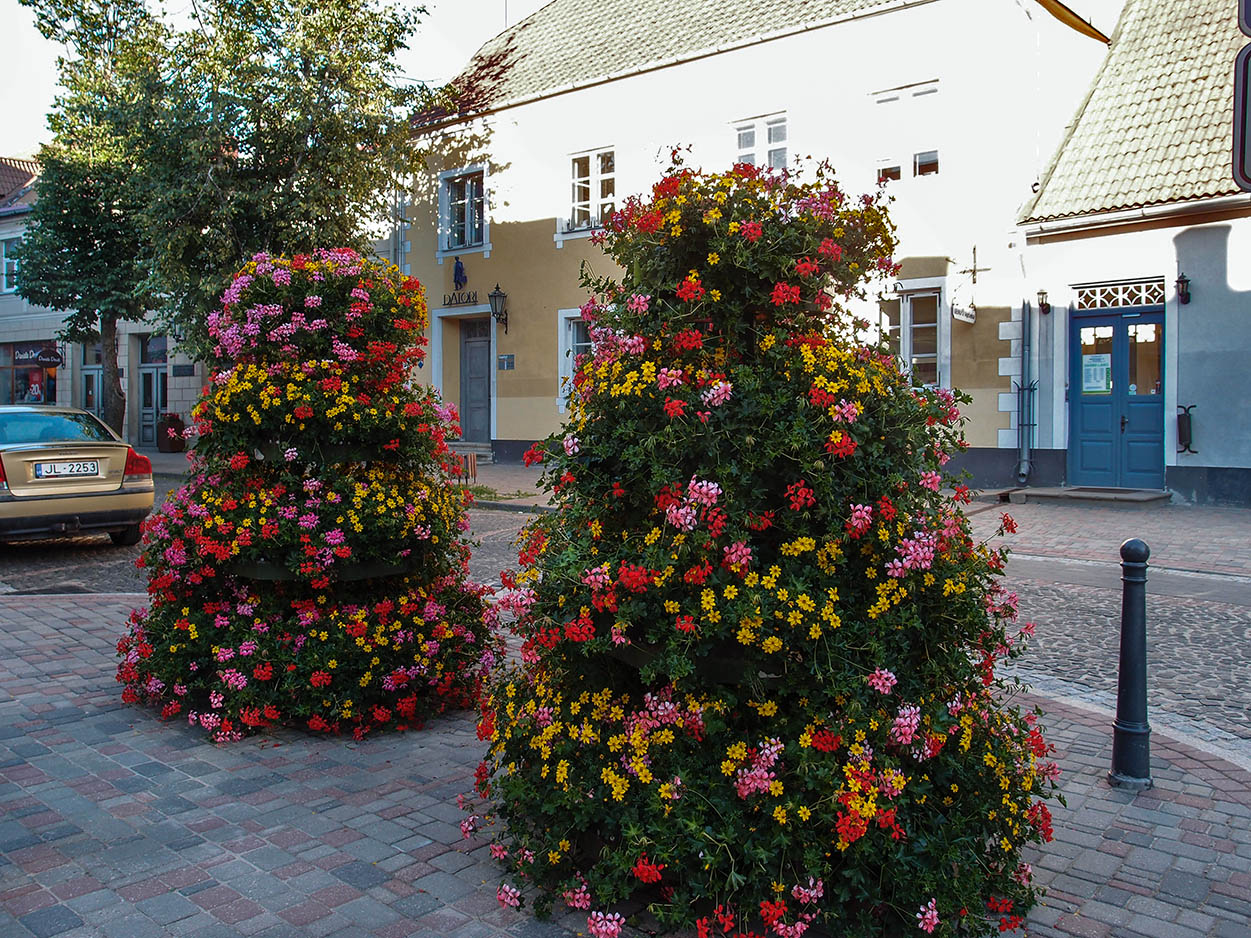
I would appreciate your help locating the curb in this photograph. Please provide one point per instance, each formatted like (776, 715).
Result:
(511, 506)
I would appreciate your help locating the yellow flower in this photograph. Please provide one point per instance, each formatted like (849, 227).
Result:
(714, 258)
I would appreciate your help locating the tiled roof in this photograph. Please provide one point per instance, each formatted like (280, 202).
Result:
(579, 42)
(15, 175)
(1156, 126)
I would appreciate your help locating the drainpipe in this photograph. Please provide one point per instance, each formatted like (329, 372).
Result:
(1024, 398)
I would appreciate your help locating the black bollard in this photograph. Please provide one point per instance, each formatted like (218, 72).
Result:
(1131, 735)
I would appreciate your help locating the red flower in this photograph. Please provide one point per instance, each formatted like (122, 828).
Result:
(806, 267)
(688, 339)
(634, 578)
(580, 629)
(829, 249)
(751, 230)
(263, 671)
(825, 741)
(237, 461)
(649, 222)
(534, 455)
(1008, 522)
(784, 293)
(674, 408)
(690, 289)
(303, 412)
(646, 871)
(685, 624)
(800, 495)
(320, 679)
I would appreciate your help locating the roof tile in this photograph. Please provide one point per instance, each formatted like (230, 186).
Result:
(1155, 126)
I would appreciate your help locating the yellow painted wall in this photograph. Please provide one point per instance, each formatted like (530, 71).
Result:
(975, 352)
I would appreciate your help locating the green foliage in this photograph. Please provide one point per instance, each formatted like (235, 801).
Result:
(82, 250)
(758, 640)
(270, 125)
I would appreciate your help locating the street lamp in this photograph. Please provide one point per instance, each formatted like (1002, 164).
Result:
(499, 309)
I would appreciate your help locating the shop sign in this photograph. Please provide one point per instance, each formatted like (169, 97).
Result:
(1097, 374)
(964, 315)
(461, 298)
(36, 353)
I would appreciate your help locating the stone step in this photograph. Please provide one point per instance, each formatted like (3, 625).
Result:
(481, 450)
(1088, 494)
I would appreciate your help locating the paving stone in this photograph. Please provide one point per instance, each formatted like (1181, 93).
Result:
(361, 875)
(50, 921)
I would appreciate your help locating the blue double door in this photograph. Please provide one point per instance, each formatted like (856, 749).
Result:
(1116, 398)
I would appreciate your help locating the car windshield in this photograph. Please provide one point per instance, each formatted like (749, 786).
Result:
(52, 428)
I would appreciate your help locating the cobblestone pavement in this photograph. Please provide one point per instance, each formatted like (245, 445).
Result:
(85, 564)
(113, 824)
(1182, 537)
(1198, 657)
(93, 564)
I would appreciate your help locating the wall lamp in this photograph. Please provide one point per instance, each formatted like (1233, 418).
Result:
(499, 306)
(1183, 289)
(1043, 306)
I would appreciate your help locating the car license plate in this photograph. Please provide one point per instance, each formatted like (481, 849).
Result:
(54, 470)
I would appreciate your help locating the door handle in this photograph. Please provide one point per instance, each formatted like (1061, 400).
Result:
(1124, 420)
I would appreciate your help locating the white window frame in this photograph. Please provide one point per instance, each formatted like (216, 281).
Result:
(566, 229)
(443, 249)
(566, 320)
(760, 127)
(7, 284)
(893, 96)
(929, 286)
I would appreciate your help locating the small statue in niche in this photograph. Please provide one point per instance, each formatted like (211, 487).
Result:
(458, 275)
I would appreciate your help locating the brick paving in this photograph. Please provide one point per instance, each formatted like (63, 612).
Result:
(113, 824)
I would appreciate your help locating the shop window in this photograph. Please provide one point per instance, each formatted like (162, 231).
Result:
(28, 372)
(153, 349)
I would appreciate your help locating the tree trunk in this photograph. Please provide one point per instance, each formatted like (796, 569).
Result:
(113, 398)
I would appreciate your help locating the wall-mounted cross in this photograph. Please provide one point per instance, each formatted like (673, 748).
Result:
(974, 269)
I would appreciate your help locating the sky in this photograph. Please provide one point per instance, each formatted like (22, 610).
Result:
(449, 34)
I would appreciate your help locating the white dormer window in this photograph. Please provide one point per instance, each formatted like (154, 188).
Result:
(464, 222)
(762, 141)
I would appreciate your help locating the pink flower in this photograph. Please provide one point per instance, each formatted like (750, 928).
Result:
(667, 377)
(604, 926)
(904, 729)
(572, 445)
(702, 492)
(508, 895)
(638, 303)
(882, 681)
(717, 394)
(931, 481)
(579, 898)
(927, 918)
(498, 851)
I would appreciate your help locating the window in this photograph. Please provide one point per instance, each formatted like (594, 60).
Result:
(925, 164)
(463, 221)
(8, 278)
(911, 326)
(574, 340)
(762, 141)
(907, 118)
(594, 189)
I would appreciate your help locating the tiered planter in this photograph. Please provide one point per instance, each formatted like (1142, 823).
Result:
(757, 690)
(313, 571)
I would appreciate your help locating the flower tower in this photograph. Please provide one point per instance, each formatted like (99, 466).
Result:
(312, 571)
(757, 691)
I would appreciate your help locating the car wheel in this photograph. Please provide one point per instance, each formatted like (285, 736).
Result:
(126, 537)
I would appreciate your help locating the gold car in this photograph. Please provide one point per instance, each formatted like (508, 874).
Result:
(62, 472)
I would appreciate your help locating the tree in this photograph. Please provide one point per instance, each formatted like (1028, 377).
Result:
(83, 248)
(273, 126)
